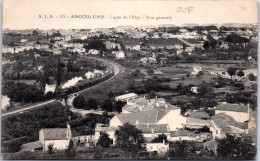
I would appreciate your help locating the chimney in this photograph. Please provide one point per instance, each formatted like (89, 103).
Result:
(156, 97)
(144, 97)
(136, 122)
(166, 105)
(152, 130)
(163, 141)
(68, 132)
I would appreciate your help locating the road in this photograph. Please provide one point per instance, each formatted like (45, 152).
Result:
(116, 71)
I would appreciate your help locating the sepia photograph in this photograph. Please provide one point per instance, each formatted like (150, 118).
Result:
(129, 80)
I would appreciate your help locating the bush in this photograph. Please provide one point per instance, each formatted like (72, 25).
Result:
(104, 140)
(79, 102)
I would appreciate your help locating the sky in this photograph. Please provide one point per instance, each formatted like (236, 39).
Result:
(24, 14)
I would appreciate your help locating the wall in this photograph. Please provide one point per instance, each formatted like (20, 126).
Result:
(115, 122)
(174, 119)
(58, 144)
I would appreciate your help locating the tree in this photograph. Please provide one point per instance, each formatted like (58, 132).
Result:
(92, 104)
(116, 48)
(70, 151)
(150, 70)
(58, 71)
(129, 138)
(108, 105)
(184, 47)
(206, 45)
(236, 148)
(119, 105)
(160, 138)
(231, 71)
(50, 149)
(180, 149)
(252, 77)
(79, 102)
(34, 33)
(240, 73)
(104, 140)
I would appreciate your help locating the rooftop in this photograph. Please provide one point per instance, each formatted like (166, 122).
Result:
(55, 133)
(226, 122)
(142, 117)
(232, 107)
(153, 128)
(199, 115)
(126, 96)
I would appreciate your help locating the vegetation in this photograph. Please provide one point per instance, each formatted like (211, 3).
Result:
(236, 148)
(129, 138)
(104, 140)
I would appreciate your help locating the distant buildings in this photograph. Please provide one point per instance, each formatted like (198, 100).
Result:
(5, 102)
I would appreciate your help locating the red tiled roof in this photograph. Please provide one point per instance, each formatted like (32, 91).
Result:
(55, 133)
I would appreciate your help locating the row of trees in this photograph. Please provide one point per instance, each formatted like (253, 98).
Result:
(92, 103)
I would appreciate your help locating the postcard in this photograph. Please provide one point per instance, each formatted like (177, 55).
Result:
(129, 80)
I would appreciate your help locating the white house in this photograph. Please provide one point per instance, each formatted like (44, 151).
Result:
(221, 124)
(109, 130)
(171, 117)
(89, 75)
(49, 88)
(125, 97)
(93, 52)
(59, 137)
(160, 148)
(72, 82)
(237, 111)
(5, 102)
(119, 54)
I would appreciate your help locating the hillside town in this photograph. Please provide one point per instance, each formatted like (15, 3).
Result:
(148, 92)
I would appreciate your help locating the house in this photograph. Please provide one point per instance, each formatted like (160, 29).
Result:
(5, 102)
(93, 52)
(49, 88)
(172, 117)
(142, 104)
(196, 70)
(151, 131)
(126, 97)
(221, 124)
(59, 137)
(187, 135)
(119, 54)
(109, 130)
(159, 148)
(72, 82)
(237, 111)
(133, 46)
(89, 75)
(194, 90)
(87, 140)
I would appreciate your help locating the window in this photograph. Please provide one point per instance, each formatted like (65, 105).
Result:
(217, 132)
